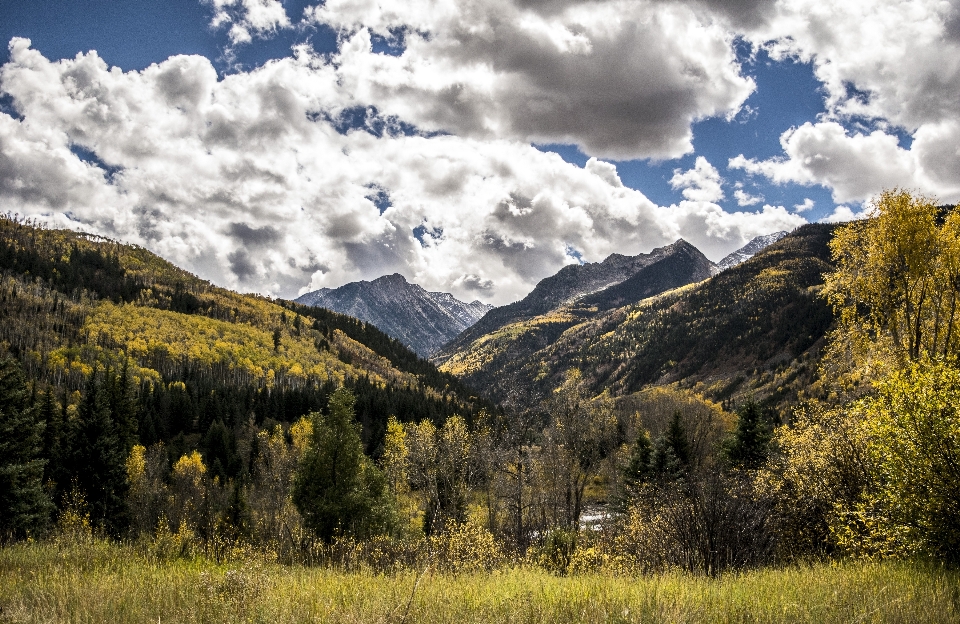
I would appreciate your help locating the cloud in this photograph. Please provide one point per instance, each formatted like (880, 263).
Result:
(245, 181)
(887, 68)
(702, 183)
(248, 18)
(805, 206)
(746, 199)
(620, 78)
(842, 214)
(605, 171)
(856, 166)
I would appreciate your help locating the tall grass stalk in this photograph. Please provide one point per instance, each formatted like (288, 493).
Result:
(102, 582)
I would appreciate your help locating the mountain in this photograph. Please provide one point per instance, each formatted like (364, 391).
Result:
(73, 306)
(683, 265)
(752, 330)
(749, 250)
(422, 320)
(617, 280)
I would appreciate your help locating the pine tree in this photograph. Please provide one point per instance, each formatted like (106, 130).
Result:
(24, 505)
(54, 438)
(98, 460)
(123, 406)
(677, 440)
(337, 488)
(670, 457)
(747, 446)
(637, 470)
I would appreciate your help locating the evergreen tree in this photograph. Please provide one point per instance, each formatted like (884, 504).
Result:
(337, 488)
(747, 446)
(24, 505)
(637, 470)
(54, 438)
(239, 517)
(677, 439)
(98, 460)
(670, 457)
(123, 406)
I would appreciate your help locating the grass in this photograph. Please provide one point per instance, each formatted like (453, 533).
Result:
(102, 582)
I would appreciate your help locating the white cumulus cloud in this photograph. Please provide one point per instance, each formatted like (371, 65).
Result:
(247, 19)
(245, 181)
(887, 66)
(702, 183)
(620, 78)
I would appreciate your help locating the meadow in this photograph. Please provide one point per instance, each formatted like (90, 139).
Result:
(101, 581)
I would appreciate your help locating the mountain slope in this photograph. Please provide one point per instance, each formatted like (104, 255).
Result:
(196, 354)
(748, 330)
(422, 320)
(680, 262)
(749, 250)
(685, 265)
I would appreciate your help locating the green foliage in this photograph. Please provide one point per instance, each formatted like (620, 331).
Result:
(914, 440)
(637, 471)
(667, 459)
(24, 505)
(747, 446)
(97, 460)
(337, 489)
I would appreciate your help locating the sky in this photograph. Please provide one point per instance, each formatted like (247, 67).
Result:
(474, 146)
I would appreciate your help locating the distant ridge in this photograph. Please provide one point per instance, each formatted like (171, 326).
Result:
(616, 281)
(749, 250)
(754, 330)
(420, 319)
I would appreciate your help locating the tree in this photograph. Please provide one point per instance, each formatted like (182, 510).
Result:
(337, 488)
(98, 460)
(914, 440)
(747, 446)
(637, 469)
(581, 434)
(897, 282)
(276, 339)
(24, 505)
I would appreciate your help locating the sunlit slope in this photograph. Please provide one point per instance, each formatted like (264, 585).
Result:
(70, 302)
(753, 329)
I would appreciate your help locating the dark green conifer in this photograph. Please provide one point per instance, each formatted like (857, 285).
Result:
(637, 470)
(24, 504)
(748, 445)
(337, 488)
(98, 460)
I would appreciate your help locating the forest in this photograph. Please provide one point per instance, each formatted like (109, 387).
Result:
(141, 406)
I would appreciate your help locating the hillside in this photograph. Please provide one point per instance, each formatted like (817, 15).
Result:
(422, 320)
(750, 330)
(195, 354)
(637, 276)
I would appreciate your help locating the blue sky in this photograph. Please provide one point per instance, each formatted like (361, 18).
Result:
(299, 145)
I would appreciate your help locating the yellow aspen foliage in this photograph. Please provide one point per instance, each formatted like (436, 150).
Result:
(301, 431)
(896, 286)
(136, 466)
(913, 432)
(190, 468)
(188, 481)
(396, 456)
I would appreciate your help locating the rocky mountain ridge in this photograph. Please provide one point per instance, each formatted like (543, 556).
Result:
(420, 319)
(616, 281)
(749, 250)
